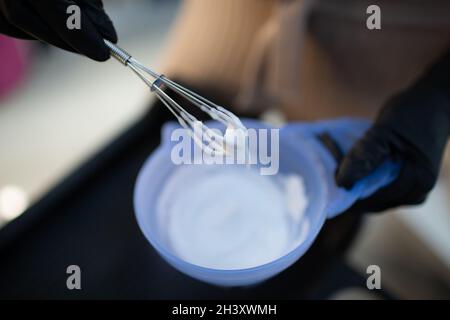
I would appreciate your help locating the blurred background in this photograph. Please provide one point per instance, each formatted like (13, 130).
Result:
(57, 109)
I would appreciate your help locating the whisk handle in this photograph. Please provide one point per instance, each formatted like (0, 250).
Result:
(120, 54)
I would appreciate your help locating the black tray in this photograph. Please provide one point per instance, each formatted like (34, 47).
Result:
(88, 220)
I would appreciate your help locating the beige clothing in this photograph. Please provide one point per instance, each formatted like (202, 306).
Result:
(312, 58)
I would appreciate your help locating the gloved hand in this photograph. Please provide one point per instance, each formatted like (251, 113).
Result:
(46, 20)
(413, 127)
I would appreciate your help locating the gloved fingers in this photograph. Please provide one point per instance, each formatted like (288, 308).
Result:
(9, 29)
(410, 188)
(94, 10)
(364, 157)
(87, 40)
(23, 17)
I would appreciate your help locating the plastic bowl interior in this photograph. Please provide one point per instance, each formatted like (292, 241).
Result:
(295, 158)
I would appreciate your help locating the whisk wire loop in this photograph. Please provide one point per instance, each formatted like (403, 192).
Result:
(200, 133)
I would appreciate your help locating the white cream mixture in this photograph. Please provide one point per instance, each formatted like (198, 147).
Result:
(231, 217)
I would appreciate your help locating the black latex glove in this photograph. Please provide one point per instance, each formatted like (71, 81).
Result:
(413, 127)
(46, 20)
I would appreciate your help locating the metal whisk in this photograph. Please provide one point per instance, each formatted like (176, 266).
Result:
(209, 140)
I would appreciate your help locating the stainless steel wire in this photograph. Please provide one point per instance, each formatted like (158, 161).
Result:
(209, 140)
